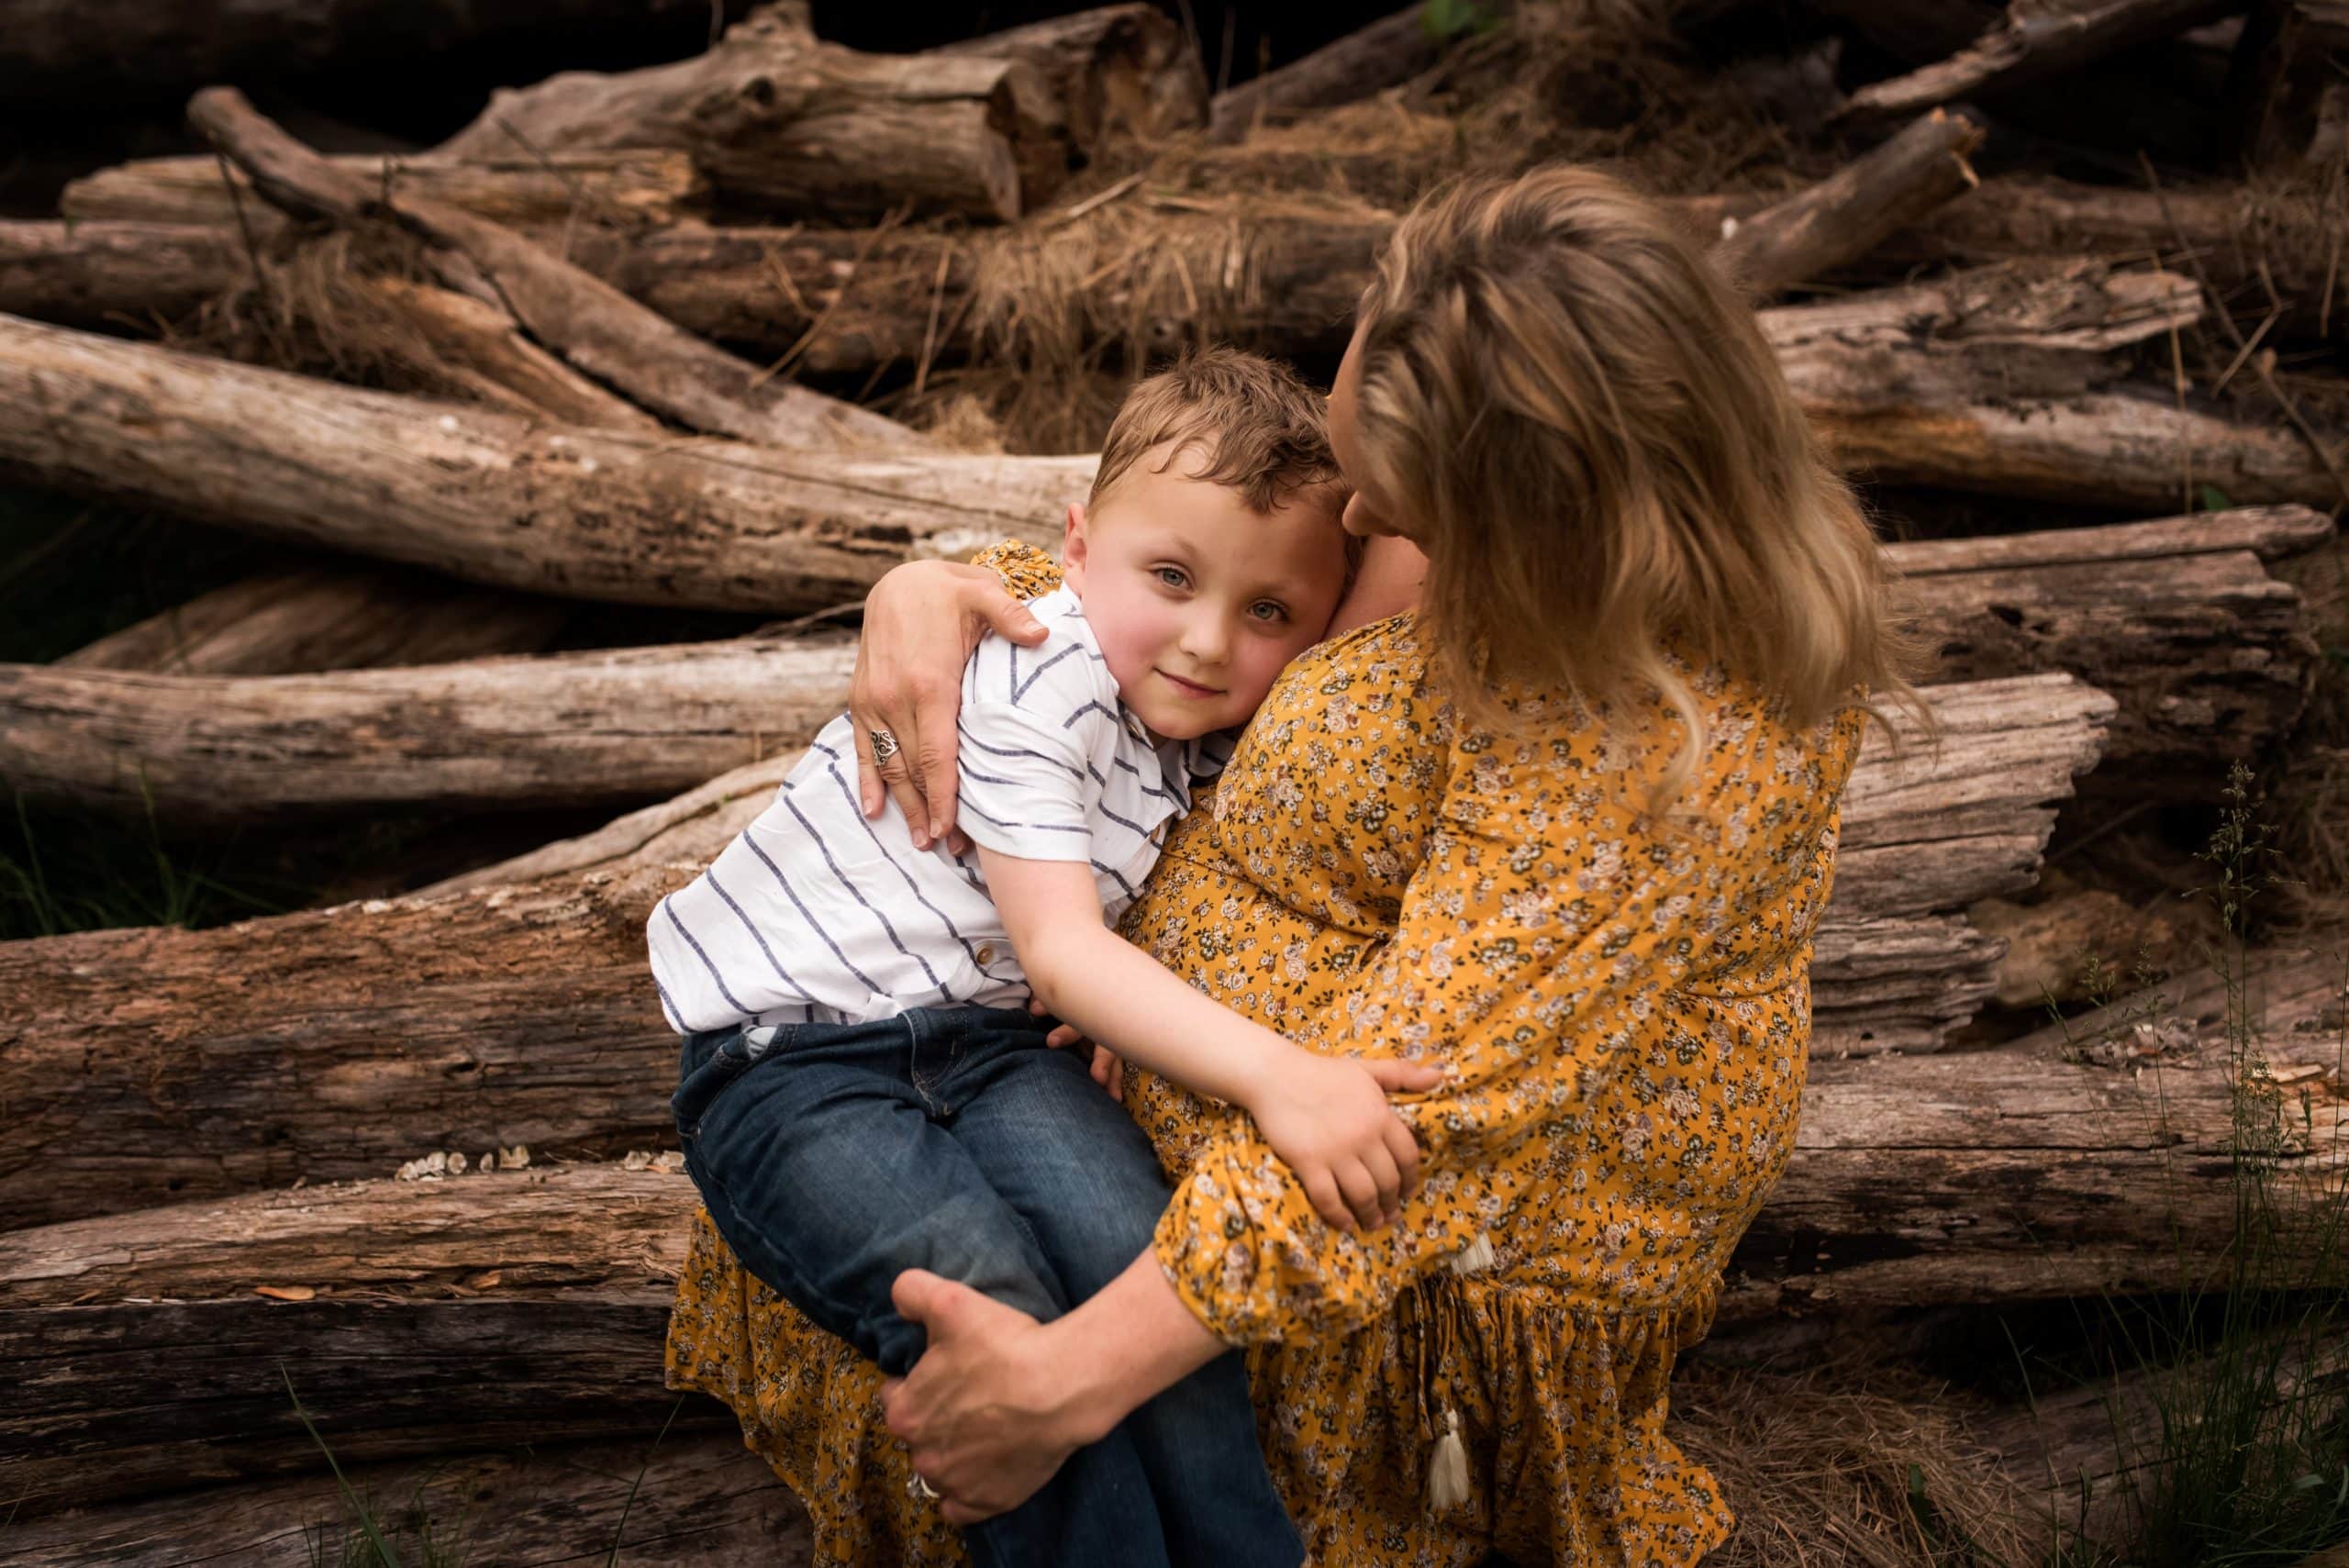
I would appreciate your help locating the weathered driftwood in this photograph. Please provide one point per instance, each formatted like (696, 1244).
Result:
(2032, 41)
(139, 1064)
(695, 1499)
(324, 618)
(1980, 1177)
(592, 326)
(784, 123)
(1392, 49)
(635, 188)
(494, 498)
(1843, 216)
(2178, 620)
(571, 729)
(66, 53)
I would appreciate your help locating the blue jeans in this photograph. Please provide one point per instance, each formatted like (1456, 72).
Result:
(838, 1156)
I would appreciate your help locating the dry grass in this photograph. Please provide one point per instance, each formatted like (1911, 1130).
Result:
(1846, 1470)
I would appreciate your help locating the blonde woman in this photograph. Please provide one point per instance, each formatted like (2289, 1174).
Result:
(1555, 808)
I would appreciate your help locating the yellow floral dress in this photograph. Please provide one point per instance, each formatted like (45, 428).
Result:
(1623, 1009)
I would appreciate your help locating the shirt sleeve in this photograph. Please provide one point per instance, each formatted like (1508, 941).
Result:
(1031, 721)
(1536, 936)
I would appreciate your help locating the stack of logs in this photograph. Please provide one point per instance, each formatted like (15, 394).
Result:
(206, 1124)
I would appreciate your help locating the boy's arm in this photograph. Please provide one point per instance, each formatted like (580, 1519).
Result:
(1327, 1117)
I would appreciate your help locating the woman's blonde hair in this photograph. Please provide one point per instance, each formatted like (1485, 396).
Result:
(1593, 445)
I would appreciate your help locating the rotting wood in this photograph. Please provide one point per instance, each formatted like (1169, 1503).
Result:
(323, 618)
(693, 1499)
(1125, 71)
(494, 498)
(136, 1064)
(787, 124)
(93, 274)
(597, 329)
(633, 188)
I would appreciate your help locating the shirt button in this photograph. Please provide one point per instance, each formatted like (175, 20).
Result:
(985, 954)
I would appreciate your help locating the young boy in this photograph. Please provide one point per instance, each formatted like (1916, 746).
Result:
(863, 1089)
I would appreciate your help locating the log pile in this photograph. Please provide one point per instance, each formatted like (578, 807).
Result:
(680, 335)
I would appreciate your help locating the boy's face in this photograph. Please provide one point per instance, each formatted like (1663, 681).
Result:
(1196, 601)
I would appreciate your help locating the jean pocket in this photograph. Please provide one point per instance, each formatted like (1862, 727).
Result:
(708, 1062)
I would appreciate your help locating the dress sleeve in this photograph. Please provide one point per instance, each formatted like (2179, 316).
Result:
(1540, 926)
(1026, 573)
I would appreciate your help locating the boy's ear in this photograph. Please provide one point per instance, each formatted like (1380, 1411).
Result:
(1073, 545)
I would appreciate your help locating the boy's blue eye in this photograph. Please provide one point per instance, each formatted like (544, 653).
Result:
(1171, 576)
(1268, 610)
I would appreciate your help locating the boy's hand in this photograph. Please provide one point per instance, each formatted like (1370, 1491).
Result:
(1107, 1070)
(1329, 1121)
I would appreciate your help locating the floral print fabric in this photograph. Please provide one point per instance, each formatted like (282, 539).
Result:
(1621, 1003)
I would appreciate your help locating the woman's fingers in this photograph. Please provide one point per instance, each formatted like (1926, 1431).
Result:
(1398, 1076)
(1118, 1079)
(1380, 1163)
(1063, 1035)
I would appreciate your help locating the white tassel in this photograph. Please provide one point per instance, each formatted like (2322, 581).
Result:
(1448, 1471)
(1477, 1254)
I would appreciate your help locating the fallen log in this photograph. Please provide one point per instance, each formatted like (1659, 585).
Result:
(2030, 43)
(1982, 1177)
(632, 188)
(566, 729)
(2178, 620)
(1845, 217)
(326, 619)
(694, 1499)
(493, 498)
(93, 274)
(593, 327)
(1390, 51)
(788, 124)
(141, 1066)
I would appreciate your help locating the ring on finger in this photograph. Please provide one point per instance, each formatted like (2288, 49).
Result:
(919, 1486)
(885, 746)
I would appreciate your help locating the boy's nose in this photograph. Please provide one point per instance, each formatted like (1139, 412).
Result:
(1205, 639)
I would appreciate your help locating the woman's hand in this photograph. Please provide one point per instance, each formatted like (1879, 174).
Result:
(921, 621)
(1329, 1121)
(986, 1411)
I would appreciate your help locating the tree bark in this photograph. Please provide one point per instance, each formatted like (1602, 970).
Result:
(2178, 619)
(324, 618)
(2036, 39)
(1123, 71)
(790, 126)
(1843, 217)
(146, 1064)
(597, 329)
(633, 189)
(493, 498)
(1981, 1177)
(692, 1500)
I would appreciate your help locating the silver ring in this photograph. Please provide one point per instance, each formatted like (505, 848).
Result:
(885, 746)
(920, 1487)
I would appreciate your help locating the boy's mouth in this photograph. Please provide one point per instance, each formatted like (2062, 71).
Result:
(1190, 688)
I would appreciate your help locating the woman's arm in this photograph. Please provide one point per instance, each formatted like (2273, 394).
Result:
(921, 621)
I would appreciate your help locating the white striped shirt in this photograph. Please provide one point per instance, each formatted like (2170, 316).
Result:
(818, 914)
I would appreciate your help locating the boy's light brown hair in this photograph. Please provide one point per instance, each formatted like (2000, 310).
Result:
(1264, 432)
